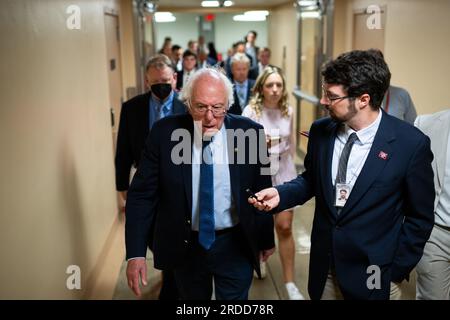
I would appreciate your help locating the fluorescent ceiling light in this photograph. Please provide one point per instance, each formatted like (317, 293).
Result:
(310, 14)
(307, 3)
(164, 17)
(210, 4)
(228, 3)
(252, 16)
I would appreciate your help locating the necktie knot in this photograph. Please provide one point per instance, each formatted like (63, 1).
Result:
(352, 138)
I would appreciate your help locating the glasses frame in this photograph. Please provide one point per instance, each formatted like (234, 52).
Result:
(216, 111)
(325, 94)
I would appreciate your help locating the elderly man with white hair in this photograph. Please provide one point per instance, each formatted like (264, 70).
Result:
(188, 200)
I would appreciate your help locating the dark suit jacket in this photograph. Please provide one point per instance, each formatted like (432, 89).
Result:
(388, 216)
(159, 202)
(133, 130)
(180, 79)
(236, 108)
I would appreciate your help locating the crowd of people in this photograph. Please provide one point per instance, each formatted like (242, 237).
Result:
(363, 165)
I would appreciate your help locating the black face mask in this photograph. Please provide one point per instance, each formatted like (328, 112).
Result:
(161, 90)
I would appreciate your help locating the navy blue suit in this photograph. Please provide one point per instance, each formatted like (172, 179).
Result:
(387, 219)
(159, 204)
(133, 130)
(236, 108)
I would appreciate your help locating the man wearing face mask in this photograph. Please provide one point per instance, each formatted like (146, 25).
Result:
(137, 117)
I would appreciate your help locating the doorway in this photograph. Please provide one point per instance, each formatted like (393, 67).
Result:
(114, 71)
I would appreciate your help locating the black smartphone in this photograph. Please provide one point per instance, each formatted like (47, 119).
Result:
(251, 194)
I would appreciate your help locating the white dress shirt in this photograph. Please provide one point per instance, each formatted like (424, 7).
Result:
(359, 152)
(224, 213)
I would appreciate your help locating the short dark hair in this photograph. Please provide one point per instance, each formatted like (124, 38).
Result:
(189, 53)
(254, 33)
(360, 72)
(176, 47)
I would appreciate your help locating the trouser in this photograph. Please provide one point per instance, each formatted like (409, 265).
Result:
(227, 262)
(433, 270)
(333, 292)
(169, 289)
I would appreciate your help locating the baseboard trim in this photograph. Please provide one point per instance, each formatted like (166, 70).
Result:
(102, 281)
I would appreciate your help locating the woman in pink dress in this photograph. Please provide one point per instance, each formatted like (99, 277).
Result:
(269, 107)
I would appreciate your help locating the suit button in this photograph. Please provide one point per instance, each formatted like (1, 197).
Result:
(188, 221)
(185, 241)
(338, 227)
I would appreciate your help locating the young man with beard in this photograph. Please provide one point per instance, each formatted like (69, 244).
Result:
(365, 247)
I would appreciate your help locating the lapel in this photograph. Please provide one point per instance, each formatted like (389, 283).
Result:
(439, 134)
(374, 163)
(232, 160)
(187, 167)
(249, 90)
(178, 106)
(144, 115)
(325, 166)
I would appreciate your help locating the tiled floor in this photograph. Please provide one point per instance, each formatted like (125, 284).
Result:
(272, 287)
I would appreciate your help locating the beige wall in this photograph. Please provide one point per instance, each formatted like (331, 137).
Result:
(58, 201)
(127, 45)
(416, 46)
(282, 33)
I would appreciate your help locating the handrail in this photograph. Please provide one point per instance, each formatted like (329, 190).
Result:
(301, 95)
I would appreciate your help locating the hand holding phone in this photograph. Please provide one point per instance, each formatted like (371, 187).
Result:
(251, 194)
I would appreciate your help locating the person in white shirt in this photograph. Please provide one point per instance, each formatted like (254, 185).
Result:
(189, 63)
(433, 270)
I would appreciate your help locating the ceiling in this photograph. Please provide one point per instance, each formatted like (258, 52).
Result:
(191, 5)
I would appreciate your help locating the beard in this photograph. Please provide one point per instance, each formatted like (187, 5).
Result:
(351, 111)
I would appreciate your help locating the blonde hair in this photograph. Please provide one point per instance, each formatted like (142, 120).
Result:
(257, 100)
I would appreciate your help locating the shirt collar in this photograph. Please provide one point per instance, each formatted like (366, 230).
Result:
(241, 85)
(366, 135)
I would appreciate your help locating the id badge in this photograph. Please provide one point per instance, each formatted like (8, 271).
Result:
(342, 193)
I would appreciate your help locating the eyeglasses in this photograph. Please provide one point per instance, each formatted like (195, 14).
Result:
(332, 99)
(218, 110)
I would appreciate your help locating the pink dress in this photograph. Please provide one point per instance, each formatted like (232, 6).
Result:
(282, 145)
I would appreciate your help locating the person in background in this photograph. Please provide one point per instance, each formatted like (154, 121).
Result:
(398, 103)
(212, 58)
(189, 63)
(433, 270)
(264, 59)
(177, 57)
(240, 65)
(137, 117)
(269, 107)
(166, 47)
(250, 47)
(192, 46)
(238, 47)
(202, 52)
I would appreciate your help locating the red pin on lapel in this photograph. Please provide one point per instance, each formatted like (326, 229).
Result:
(383, 155)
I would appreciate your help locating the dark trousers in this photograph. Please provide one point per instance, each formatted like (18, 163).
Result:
(169, 289)
(228, 262)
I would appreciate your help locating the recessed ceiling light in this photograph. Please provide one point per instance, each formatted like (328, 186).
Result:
(259, 15)
(165, 17)
(210, 4)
